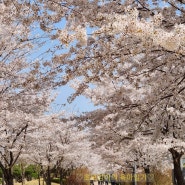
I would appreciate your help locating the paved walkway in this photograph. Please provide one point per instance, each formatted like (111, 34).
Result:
(96, 183)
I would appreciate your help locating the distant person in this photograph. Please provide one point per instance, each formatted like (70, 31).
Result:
(100, 179)
(112, 179)
(92, 180)
(106, 179)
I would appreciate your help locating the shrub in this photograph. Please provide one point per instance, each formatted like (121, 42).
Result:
(30, 172)
(56, 180)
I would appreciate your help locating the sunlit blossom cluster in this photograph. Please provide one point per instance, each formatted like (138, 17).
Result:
(130, 23)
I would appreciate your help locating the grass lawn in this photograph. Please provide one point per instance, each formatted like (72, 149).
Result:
(33, 182)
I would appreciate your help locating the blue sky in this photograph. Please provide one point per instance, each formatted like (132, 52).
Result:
(81, 104)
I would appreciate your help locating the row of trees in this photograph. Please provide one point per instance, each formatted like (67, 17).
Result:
(133, 66)
(128, 58)
(51, 144)
(30, 132)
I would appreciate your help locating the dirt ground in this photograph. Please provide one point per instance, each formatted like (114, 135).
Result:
(33, 182)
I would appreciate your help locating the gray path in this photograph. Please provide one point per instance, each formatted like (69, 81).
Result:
(96, 183)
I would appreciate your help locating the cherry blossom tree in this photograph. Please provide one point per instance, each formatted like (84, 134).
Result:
(25, 88)
(123, 123)
(59, 145)
(147, 68)
(127, 57)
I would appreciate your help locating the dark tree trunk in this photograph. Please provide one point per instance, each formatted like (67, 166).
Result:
(61, 177)
(134, 175)
(48, 176)
(147, 173)
(178, 176)
(63, 174)
(39, 177)
(3, 179)
(42, 174)
(8, 177)
(23, 174)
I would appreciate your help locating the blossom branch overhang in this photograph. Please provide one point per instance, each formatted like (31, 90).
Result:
(146, 30)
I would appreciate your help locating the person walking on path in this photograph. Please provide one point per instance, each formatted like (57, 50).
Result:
(100, 179)
(92, 180)
(112, 179)
(106, 179)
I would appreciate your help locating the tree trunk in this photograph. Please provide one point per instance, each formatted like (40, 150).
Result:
(8, 177)
(3, 179)
(147, 173)
(178, 176)
(134, 180)
(48, 176)
(61, 177)
(22, 173)
(39, 178)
